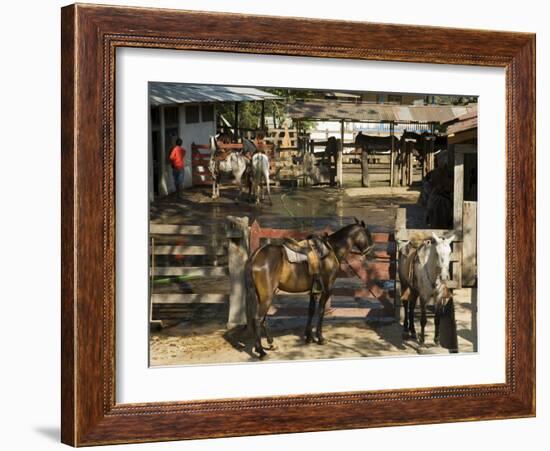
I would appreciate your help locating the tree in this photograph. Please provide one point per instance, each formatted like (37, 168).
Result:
(250, 112)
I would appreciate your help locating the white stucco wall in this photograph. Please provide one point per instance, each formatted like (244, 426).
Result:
(199, 133)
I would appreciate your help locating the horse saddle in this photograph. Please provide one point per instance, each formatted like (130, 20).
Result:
(312, 250)
(408, 255)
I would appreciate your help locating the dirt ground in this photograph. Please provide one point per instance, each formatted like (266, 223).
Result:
(377, 206)
(204, 339)
(211, 342)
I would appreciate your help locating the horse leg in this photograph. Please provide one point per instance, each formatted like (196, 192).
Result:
(310, 313)
(322, 302)
(423, 320)
(264, 308)
(405, 318)
(259, 324)
(258, 191)
(250, 184)
(240, 189)
(265, 284)
(267, 334)
(258, 338)
(412, 306)
(436, 321)
(268, 188)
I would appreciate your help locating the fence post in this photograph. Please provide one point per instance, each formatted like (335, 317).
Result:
(410, 162)
(238, 248)
(364, 166)
(339, 163)
(392, 154)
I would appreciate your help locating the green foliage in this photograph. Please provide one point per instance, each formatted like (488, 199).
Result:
(250, 112)
(455, 100)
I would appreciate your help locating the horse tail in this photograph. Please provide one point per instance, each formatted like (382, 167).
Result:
(251, 295)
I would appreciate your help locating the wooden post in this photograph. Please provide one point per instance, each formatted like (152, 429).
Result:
(163, 182)
(424, 157)
(410, 161)
(395, 165)
(236, 124)
(458, 192)
(400, 220)
(431, 155)
(150, 156)
(458, 202)
(153, 324)
(339, 161)
(400, 226)
(431, 149)
(392, 156)
(262, 116)
(364, 166)
(238, 250)
(469, 244)
(403, 161)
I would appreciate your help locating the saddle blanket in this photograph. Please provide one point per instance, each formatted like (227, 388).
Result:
(293, 256)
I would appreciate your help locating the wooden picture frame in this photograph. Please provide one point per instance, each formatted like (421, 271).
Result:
(90, 37)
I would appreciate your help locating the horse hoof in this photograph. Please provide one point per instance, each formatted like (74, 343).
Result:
(272, 347)
(321, 341)
(309, 340)
(406, 336)
(262, 355)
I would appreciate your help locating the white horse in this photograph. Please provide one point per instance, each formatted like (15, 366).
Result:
(260, 174)
(424, 273)
(235, 163)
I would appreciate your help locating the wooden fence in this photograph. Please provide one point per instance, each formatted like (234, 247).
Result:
(181, 254)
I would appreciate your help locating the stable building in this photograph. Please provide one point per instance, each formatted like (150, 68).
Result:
(189, 112)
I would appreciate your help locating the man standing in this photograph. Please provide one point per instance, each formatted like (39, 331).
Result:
(177, 159)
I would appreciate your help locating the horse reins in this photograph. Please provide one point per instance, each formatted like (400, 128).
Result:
(363, 254)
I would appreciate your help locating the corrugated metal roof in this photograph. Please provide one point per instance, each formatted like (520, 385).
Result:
(351, 112)
(177, 93)
(462, 123)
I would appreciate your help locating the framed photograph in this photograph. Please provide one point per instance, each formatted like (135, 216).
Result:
(278, 225)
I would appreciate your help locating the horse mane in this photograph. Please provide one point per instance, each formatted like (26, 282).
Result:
(343, 233)
(344, 230)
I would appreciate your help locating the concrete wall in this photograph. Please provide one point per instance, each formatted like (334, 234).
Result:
(198, 132)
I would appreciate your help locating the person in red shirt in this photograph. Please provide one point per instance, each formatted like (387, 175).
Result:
(177, 160)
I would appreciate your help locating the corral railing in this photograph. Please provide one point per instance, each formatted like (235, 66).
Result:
(188, 266)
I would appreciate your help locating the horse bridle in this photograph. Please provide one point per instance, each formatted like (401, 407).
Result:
(432, 282)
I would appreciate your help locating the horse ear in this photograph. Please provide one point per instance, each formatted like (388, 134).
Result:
(450, 239)
(363, 224)
(401, 245)
(356, 220)
(436, 238)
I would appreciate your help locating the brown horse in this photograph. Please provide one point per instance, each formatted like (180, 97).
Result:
(268, 270)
